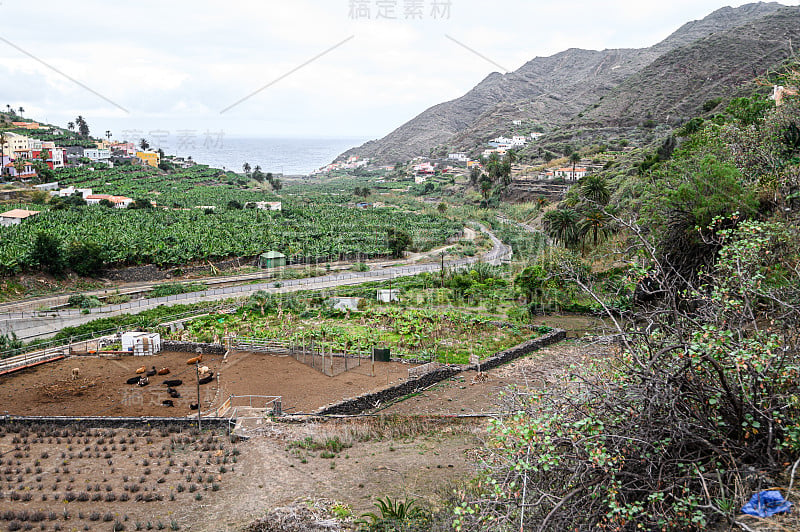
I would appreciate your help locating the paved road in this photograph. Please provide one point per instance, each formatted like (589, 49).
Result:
(32, 325)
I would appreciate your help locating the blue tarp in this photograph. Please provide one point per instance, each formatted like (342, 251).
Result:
(766, 504)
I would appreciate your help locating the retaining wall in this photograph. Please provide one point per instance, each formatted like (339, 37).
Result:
(356, 405)
(115, 422)
(151, 272)
(192, 347)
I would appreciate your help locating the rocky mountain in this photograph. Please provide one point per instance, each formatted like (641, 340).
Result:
(595, 88)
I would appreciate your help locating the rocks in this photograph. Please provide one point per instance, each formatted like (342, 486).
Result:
(192, 347)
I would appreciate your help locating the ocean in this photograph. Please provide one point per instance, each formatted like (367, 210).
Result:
(288, 156)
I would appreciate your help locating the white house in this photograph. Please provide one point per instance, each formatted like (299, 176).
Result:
(15, 216)
(70, 191)
(97, 154)
(518, 141)
(47, 186)
(120, 202)
(517, 122)
(567, 173)
(424, 168)
(268, 205)
(459, 156)
(141, 343)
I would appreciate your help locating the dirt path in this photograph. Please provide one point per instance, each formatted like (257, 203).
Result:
(269, 474)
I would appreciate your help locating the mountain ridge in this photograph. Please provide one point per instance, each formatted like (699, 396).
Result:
(546, 92)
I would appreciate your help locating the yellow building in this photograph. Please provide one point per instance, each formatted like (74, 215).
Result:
(151, 158)
(14, 142)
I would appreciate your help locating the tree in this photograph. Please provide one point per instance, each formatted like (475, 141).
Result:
(144, 145)
(276, 184)
(398, 241)
(140, 203)
(21, 110)
(84, 258)
(47, 253)
(474, 175)
(71, 126)
(108, 134)
(595, 189)
(442, 207)
(562, 225)
(574, 158)
(595, 223)
(235, 205)
(83, 127)
(106, 203)
(246, 169)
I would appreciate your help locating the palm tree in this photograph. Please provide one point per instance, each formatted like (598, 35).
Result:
(595, 189)
(108, 134)
(246, 169)
(71, 126)
(144, 144)
(595, 223)
(562, 225)
(21, 110)
(574, 158)
(8, 106)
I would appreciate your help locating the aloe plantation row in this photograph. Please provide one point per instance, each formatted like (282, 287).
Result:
(180, 236)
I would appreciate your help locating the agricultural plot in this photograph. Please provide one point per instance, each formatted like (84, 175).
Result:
(444, 335)
(101, 389)
(76, 478)
(173, 237)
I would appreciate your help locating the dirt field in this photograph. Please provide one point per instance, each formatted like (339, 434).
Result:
(101, 389)
(303, 389)
(407, 456)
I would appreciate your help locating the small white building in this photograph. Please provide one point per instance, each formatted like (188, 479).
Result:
(47, 186)
(569, 174)
(97, 154)
(141, 343)
(346, 303)
(15, 216)
(387, 296)
(459, 156)
(70, 191)
(269, 205)
(518, 141)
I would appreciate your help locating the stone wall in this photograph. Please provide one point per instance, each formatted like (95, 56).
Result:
(192, 347)
(151, 272)
(182, 423)
(356, 405)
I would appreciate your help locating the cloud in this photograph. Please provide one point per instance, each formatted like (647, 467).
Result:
(181, 62)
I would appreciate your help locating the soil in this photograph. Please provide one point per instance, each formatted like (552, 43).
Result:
(410, 456)
(471, 393)
(302, 388)
(101, 388)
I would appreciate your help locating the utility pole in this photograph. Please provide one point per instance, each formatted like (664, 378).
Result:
(199, 406)
(442, 269)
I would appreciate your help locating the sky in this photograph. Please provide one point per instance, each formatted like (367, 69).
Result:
(290, 68)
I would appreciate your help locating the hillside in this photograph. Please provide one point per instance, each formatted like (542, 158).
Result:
(673, 88)
(546, 91)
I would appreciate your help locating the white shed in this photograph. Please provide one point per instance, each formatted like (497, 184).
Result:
(387, 296)
(141, 343)
(346, 303)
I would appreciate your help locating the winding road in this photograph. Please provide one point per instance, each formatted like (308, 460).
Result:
(32, 325)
